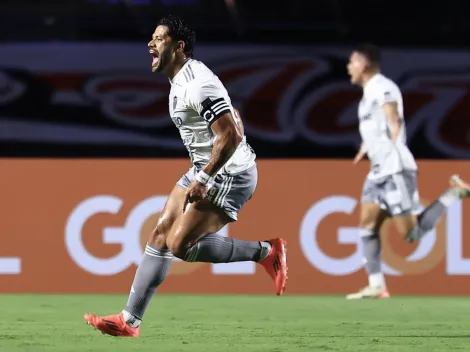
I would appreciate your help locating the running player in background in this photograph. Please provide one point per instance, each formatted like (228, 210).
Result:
(209, 196)
(390, 189)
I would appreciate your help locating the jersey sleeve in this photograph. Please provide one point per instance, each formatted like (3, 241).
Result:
(387, 94)
(208, 100)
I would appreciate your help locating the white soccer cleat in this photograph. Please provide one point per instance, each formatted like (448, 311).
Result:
(370, 292)
(461, 188)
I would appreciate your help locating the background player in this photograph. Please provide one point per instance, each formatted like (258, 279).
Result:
(223, 177)
(390, 188)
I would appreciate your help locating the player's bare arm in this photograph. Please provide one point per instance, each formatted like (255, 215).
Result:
(239, 123)
(226, 140)
(360, 154)
(393, 118)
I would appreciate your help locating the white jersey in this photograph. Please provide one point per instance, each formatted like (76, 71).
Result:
(197, 99)
(386, 157)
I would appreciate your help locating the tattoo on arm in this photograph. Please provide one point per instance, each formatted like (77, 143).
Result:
(227, 139)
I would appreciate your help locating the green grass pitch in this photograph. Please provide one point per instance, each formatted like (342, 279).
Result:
(240, 323)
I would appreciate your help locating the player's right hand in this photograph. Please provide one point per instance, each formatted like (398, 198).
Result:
(195, 192)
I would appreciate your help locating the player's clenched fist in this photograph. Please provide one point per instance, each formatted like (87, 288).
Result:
(196, 191)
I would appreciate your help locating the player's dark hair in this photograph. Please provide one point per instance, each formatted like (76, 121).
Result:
(371, 52)
(179, 30)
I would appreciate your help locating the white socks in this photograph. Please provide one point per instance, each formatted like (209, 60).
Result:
(131, 320)
(377, 280)
(448, 198)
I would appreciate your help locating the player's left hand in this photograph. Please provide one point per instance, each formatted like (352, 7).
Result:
(196, 191)
(358, 158)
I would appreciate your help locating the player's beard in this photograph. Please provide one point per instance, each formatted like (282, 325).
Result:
(164, 59)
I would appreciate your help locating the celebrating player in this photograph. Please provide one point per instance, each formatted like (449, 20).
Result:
(209, 196)
(390, 189)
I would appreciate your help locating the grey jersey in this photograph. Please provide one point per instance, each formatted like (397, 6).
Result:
(386, 156)
(197, 99)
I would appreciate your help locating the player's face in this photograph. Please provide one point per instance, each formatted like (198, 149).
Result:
(161, 49)
(356, 67)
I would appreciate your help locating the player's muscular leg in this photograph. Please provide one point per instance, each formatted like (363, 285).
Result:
(150, 273)
(199, 219)
(193, 238)
(158, 235)
(167, 218)
(157, 258)
(372, 217)
(430, 216)
(405, 224)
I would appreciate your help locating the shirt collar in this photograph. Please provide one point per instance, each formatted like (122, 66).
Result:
(178, 76)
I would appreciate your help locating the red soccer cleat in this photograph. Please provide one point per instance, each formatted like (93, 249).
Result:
(276, 264)
(113, 325)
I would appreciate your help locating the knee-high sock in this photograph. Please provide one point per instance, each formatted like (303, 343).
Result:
(151, 272)
(430, 216)
(214, 248)
(372, 255)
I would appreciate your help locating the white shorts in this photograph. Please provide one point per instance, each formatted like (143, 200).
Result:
(229, 192)
(397, 193)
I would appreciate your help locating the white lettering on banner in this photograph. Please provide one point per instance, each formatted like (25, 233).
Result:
(128, 236)
(456, 264)
(346, 235)
(74, 241)
(10, 266)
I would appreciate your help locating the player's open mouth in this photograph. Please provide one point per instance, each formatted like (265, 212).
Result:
(154, 56)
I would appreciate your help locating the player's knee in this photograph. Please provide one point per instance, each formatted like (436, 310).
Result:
(178, 245)
(368, 223)
(405, 224)
(160, 233)
(371, 220)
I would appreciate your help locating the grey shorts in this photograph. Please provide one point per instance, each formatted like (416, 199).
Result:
(397, 193)
(229, 192)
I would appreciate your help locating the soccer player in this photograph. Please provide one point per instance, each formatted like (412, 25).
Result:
(390, 189)
(209, 196)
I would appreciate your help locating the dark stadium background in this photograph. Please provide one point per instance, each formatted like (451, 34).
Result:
(86, 165)
(398, 25)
